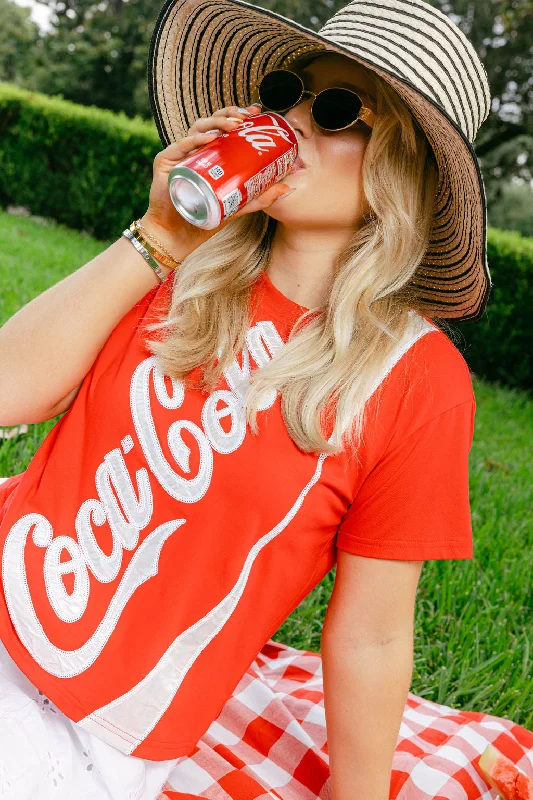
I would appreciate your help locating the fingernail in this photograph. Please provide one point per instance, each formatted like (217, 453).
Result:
(244, 111)
(215, 130)
(287, 193)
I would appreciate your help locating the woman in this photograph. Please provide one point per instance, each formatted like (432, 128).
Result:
(279, 403)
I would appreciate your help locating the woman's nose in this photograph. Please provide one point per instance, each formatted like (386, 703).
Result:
(300, 117)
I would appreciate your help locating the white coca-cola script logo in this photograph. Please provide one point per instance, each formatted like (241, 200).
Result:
(262, 137)
(134, 512)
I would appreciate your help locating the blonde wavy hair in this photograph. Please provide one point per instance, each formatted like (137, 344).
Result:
(331, 360)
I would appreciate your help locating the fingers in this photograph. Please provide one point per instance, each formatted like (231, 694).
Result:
(264, 200)
(236, 110)
(225, 119)
(177, 150)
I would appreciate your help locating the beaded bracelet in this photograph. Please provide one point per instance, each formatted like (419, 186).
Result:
(170, 260)
(161, 255)
(149, 252)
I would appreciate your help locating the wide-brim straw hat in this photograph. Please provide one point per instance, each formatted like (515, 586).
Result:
(208, 54)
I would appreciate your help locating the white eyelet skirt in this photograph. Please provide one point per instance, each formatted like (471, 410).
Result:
(46, 756)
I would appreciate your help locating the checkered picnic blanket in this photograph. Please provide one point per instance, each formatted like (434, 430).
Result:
(269, 741)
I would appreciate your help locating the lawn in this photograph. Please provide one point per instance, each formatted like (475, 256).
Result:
(473, 620)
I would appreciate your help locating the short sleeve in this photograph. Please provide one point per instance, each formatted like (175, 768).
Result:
(414, 504)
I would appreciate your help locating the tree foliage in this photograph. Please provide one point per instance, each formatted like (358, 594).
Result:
(96, 54)
(19, 39)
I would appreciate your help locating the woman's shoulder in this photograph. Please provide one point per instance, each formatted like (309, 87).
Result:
(430, 377)
(435, 363)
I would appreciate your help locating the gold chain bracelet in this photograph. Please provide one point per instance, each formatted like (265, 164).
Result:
(149, 252)
(159, 244)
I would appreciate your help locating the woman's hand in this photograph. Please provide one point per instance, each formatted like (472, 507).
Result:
(162, 219)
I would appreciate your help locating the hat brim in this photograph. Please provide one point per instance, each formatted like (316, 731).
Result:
(208, 54)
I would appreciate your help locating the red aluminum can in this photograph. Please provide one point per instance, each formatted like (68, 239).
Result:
(222, 176)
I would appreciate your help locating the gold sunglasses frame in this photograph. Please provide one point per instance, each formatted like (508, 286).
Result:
(365, 115)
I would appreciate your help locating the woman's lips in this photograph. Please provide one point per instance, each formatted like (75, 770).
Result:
(298, 164)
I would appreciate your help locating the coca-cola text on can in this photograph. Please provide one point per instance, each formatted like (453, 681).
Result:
(217, 180)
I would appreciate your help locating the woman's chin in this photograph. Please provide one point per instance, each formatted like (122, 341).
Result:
(296, 172)
(285, 204)
(294, 179)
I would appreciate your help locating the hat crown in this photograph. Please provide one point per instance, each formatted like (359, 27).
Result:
(423, 48)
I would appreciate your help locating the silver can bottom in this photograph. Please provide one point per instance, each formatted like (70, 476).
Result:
(194, 198)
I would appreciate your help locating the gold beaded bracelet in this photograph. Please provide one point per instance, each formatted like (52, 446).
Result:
(162, 255)
(170, 258)
(149, 253)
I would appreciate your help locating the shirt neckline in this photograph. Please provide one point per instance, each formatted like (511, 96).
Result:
(276, 300)
(278, 294)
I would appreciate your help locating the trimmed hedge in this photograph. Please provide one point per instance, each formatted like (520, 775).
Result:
(91, 169)
(499, 344)
(88, 168)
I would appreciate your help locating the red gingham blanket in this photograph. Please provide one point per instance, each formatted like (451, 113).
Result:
(269, 741)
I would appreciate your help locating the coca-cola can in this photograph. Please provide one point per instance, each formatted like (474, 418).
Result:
(217, 180)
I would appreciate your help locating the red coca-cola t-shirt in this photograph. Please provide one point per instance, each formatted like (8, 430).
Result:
(154, 544)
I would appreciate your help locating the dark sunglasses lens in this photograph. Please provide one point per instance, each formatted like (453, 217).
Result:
(279, 90)
(336, 108)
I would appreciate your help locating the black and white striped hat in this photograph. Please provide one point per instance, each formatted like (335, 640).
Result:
(208, 54)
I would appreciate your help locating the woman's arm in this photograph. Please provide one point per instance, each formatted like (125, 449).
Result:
(49, 345)
(365, 690)
(367, 659)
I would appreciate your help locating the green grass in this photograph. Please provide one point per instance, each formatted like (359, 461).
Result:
(473, 619)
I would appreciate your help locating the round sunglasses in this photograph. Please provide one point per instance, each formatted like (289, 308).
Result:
(333, 109)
